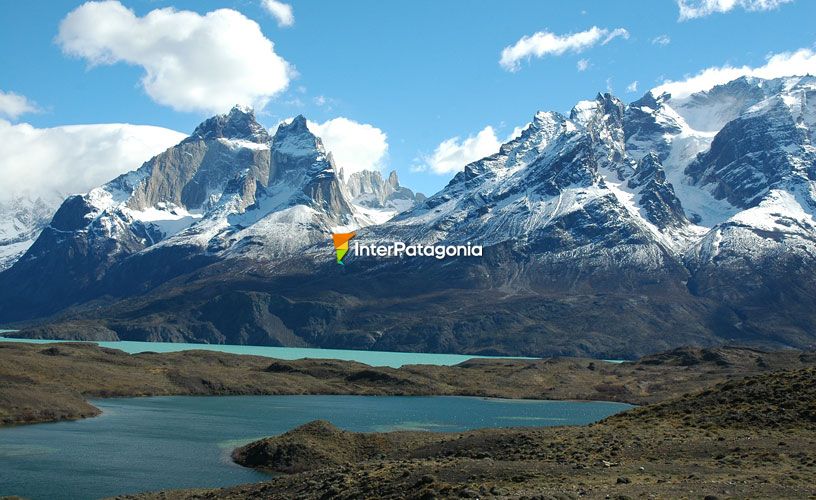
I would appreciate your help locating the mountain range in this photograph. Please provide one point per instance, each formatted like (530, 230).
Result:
(615, 230)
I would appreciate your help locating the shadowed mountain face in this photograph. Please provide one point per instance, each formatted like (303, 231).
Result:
(616, 231)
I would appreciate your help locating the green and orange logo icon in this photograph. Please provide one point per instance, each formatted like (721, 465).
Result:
(341, 245)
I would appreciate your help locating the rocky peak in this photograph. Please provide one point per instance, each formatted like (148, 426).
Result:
(369, 189)
(295, 139)
(393, 181)
(239, 123)
(22, 217)
(604, 108)
(602, 118)
(649, 124)
(650, 100)
(522, 150)
(537, 135)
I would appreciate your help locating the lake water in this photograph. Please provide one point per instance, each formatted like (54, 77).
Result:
(371, 358)
(144, 444)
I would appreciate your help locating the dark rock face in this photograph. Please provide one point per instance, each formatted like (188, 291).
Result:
(72, 215)
(657, 197)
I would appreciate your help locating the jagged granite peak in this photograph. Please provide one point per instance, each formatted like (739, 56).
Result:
(295, 138)
(516, 153)
(238, 124)
(268, 215)
(297, 152)
(387, 197)
(299, 159)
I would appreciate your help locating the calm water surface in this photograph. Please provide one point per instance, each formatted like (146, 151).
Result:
(371, 358)
(143, 444)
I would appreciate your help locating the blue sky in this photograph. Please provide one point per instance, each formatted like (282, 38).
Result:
(420, 71)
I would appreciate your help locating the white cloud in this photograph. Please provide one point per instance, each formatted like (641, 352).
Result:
(800, 62)
(191, 62)
(692, 9)
(280, 11)
(661, 40)
(451, 155)
(73, 159)
(544, 43)
(582, 64)
(354, 146)
(13, 105)
(632, 87)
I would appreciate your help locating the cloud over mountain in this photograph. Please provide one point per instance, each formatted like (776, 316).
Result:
(454, 153)
(355, 146)
(799, 62)
(73, 159)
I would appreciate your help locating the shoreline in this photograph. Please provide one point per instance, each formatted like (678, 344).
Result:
(746, 438)
(55, 381)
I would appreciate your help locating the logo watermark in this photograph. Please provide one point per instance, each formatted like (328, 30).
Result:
(401, 249)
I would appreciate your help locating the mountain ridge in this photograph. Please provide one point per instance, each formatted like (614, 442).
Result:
(649, 204)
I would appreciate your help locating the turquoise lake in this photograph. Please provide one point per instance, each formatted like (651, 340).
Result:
(371, 358)
(145, 444)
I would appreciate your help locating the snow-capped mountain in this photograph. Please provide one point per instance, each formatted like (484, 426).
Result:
(22, 217)
(228, 190)
(612, 230)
